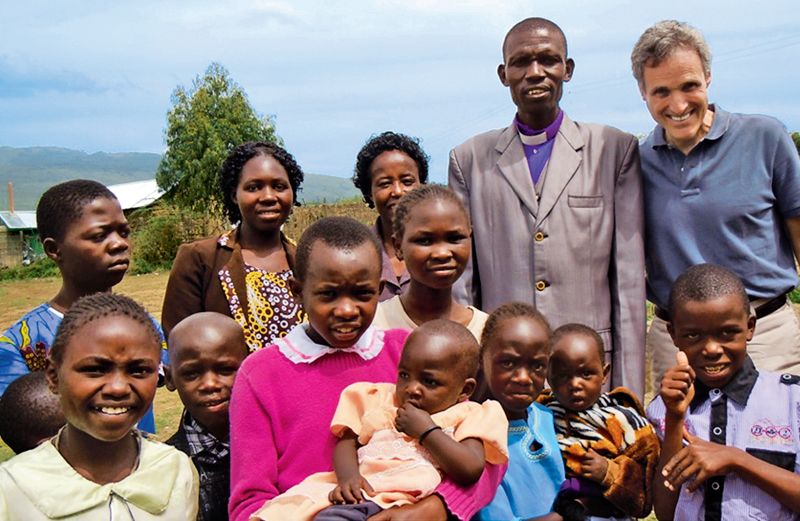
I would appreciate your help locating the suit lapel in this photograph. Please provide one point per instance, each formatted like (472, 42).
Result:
(564, 162)
(514, 167)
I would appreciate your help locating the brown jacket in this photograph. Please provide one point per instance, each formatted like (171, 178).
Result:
(194, 284)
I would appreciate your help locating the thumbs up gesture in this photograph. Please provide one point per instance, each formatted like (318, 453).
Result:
(677, 386)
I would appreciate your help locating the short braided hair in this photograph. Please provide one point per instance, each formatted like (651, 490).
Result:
(232, 167)
(93, 307)
(63, 204)
(507, 311)
(419, 195)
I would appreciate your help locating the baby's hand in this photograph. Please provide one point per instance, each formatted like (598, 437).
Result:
(594, 466)
(412, 421)
(349, 490)
(677, 389)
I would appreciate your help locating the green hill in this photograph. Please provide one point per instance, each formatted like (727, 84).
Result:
(34, 169)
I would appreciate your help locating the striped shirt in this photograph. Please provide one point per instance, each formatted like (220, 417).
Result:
(755, 412)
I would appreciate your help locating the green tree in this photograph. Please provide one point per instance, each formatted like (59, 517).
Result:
(796, 139)
(204, 123)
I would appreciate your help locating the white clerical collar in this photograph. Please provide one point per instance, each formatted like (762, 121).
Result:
(534, 140)
(299, 348)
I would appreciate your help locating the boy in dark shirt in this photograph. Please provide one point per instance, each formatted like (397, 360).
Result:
(205, 351)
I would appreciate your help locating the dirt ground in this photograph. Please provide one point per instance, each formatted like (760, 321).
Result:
(19, 297)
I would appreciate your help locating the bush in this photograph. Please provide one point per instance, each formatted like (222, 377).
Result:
(39, 269)
(159, 231)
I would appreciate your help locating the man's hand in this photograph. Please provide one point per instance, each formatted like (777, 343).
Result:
(349, 491)
(430, 508)
(677, 387)
(594, 466)
(698, 461)
(412, 421)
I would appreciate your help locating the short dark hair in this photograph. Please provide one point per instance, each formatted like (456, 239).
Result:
(29, 412)
(703, 282)
(377, 145)
(63, 204)
(579, 330)
(531, 24)
(341, 233)
(468, 349)
(418, 195)
(511, 310)
(92, 307)
(231, 172)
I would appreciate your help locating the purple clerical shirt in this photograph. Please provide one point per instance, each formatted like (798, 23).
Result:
(538, 144)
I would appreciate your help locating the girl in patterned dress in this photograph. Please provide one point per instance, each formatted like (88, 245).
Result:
(244, 272)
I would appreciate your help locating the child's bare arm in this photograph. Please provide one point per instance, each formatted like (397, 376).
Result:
(701, 459)
(677, 391)
(462, 461)
(348, 478)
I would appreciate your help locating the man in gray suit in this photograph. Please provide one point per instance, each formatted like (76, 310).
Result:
(556, 207)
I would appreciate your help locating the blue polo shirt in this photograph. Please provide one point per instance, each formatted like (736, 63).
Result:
(724, 203)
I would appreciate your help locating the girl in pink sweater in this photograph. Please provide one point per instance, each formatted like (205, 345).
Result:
(285, 396)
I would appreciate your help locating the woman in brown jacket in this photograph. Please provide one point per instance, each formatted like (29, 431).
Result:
(244, 272)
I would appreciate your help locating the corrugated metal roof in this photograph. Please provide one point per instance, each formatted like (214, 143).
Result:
(136, 194)
(22, 220)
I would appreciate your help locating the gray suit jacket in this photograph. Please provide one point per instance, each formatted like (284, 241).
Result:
(576, 253)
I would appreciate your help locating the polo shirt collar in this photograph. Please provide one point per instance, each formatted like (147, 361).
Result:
(738, 389)
(719, 126)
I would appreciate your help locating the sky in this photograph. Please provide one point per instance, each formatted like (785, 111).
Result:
(98, 75)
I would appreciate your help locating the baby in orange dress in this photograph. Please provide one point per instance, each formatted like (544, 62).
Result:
(397, 440)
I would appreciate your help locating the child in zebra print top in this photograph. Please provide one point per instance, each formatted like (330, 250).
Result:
(610, 450)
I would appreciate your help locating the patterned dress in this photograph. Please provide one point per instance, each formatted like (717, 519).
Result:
(272, 310)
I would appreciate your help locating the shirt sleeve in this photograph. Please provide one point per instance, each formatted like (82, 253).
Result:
(184, 293)
(254, 457)
(464, 502)
(786, 176)
(12, 363)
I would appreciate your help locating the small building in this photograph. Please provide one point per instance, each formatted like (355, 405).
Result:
(136, 194)
(19, 243)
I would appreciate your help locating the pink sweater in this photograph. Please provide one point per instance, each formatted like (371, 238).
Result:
(280, 425)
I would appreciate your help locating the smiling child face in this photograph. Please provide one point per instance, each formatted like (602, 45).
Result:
(205, 354)
(340, 292)
(107, 377)
(714, 335)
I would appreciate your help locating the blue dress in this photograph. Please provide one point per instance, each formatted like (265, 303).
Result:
(24, 347)
(535, 469)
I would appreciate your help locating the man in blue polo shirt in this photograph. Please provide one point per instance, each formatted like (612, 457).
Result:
(719, 187)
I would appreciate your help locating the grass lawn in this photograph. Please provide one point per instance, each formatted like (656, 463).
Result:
(21, 296)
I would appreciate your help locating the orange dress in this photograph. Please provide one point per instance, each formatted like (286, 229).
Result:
(395, 465)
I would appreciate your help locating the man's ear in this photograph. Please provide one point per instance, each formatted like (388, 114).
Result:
(569, 69)
(169, 383)
(52, 249)
(708, 79)
(501, 73)
(51, 375)
(469, 387)
(296, 286)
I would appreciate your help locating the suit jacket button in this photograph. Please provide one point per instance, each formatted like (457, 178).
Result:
(538, 237)
(540, 285)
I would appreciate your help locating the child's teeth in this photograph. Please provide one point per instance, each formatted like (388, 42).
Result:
(113, 410)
